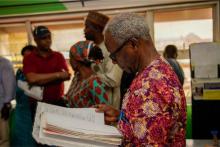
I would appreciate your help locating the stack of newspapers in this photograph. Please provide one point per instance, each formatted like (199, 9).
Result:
(78, 127)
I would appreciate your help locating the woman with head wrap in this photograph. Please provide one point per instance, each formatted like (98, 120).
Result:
(86, 88)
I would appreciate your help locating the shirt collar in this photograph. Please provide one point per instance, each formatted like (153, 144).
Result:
(49, 54)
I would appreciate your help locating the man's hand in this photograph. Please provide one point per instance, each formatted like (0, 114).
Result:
(64, 75)
(5, 112)
(111, 114)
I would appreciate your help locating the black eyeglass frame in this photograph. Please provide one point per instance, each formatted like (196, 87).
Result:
(113, 54)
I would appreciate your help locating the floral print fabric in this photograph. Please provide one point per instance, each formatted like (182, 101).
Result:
(154, 108)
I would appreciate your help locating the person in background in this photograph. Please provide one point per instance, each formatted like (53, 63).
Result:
(21, 131)
(7, 93)
(46, 68)
(154, 107)
(170, 53)
(86, 89)
(109, 73)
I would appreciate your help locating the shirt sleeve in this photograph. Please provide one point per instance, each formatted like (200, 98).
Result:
(98, 92)
(112, 73)
(63, 63)
(9, 82)
(28, 65)
(109, 73)
(149, 119)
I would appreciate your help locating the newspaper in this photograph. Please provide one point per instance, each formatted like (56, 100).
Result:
(78, 127)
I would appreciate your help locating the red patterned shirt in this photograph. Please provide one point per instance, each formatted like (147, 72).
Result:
(154, 108)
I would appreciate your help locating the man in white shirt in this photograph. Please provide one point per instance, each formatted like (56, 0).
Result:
(7, 93)
(110, 73)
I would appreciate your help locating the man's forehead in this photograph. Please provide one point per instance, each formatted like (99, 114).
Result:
(44, 37)
(89, 23)
(109, 41)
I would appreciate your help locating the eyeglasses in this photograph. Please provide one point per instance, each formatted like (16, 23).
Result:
(113, 54)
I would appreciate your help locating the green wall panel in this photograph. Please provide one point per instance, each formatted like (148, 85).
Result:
(13, 7)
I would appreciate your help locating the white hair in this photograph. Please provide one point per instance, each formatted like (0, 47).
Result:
(127, 25)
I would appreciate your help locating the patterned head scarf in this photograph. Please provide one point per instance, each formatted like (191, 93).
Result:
(80, 51)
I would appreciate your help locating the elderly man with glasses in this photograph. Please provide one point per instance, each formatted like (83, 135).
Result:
(154, 108)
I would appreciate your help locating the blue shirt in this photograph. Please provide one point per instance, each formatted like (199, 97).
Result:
(7, 81)
(177, 69)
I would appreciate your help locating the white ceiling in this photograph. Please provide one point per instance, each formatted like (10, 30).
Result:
(108, 4)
